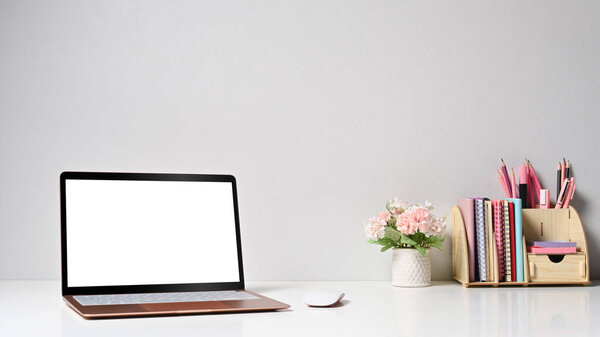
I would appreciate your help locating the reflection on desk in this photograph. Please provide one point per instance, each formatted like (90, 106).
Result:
(369, 309)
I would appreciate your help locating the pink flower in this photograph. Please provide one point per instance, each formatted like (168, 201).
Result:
(398, 206)
(420, 214)
(409, 220)
(438, 227)
(375, 228)
(385, 216)
(406, 223)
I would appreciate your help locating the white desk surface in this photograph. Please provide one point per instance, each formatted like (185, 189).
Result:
(35, 308)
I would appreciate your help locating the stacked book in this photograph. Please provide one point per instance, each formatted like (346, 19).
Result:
(494, 225)
(551, 247)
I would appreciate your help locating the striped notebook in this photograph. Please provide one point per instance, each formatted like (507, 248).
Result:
(499, 235)
(480, 237)
(507, 252)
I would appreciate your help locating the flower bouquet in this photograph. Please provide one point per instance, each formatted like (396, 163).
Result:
(406, 226)
(410, 230)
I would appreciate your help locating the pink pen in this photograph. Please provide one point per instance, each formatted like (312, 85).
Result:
(563, 193)
(503, 183)
(570, 193)
(534, 179)
(531, 190)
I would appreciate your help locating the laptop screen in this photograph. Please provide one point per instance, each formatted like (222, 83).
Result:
(149, 232)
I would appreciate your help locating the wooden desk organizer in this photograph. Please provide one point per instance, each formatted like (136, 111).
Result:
(538, 225)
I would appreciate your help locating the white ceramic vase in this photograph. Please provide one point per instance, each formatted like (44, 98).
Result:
(410, 268)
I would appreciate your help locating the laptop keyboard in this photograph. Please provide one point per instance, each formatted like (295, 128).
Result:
(188, 296)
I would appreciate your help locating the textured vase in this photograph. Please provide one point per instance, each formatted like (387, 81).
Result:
(410, 268)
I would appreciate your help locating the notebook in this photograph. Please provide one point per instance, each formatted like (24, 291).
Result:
(499, 236)
(513, 254)
(492, 258)
(507, 250)
(518, 239)
(552, 250)
(467, 209)
(480, 233)
(552, 243)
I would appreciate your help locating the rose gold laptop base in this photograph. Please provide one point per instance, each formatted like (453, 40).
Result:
(261, 303)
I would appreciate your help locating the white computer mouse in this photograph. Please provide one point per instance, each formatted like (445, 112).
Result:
(323, 298)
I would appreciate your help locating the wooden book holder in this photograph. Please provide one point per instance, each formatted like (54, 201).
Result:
(538, 225)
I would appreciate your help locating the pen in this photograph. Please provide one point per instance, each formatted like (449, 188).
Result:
(505, 173)
(570, 193)
(534, 179)
(530, 188)
(563, 192)
(523, 185)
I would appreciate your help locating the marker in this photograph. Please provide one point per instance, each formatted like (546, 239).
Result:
(544, 198)
(523, 185)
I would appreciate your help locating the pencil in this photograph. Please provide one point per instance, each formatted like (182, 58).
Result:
(503, 183)
(568, 170)
(558, 182)
(506, 179)
(562, 170)
(513, 184)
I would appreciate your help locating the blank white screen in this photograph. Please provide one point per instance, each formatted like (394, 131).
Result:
(122, 232)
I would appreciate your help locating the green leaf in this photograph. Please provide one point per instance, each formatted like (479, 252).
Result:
(431, 239)
(406, 240)
(437, 244)
(392, 234)
(384, 248)
(418, 237)
(421, 250)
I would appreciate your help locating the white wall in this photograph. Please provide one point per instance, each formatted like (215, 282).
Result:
(322, 109)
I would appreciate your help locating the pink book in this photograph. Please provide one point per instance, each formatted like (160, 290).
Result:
(467, 209)
(551, 250)
(499, 235)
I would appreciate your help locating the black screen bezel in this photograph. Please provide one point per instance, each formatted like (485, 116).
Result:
(145, 288)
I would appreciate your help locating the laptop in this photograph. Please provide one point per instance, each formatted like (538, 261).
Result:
(140, 244)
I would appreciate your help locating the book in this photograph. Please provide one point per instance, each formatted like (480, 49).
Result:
(467, 209)
(551, 250)
(499, 236)
(480, 237)
(490, 247)
(513, 254)
(507, 255)
(552, 243)
(518, 239)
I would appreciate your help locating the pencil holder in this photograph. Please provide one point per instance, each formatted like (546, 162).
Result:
(539, 269)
